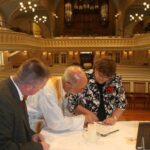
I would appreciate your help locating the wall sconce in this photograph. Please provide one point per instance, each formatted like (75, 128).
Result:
(125, 54)
(103, 53)
(130, 53)
(25, 52)
(71, 53)
(49, 53)
(97, 53)
(76, 53)
(44, 53)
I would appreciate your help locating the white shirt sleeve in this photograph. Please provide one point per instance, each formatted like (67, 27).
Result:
(46, 104)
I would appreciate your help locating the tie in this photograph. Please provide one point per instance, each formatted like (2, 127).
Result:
(24, 115)
(23, 104)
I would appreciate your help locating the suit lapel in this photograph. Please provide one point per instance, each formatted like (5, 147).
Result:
(23, 115)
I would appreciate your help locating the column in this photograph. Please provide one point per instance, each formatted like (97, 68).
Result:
(1, 58)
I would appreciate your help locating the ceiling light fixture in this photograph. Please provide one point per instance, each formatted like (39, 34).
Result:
(139, 17)
(136, 17)
(146, 6)
(29, 6)
(40, 19)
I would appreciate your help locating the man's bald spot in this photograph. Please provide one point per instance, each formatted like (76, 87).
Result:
(73, 74)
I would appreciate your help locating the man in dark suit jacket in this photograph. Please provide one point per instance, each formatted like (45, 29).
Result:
(15, 132)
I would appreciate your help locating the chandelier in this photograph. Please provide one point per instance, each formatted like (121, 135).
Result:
(140, 16)
(136, 17)
(40, 19)
(29, 6)
(146, 6)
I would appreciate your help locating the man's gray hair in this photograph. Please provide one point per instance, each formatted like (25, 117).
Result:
(72, 74)
(32, 71)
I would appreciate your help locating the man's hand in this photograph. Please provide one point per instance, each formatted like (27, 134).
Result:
(114, 117)
(45, 145)
(37, 138)
(109, 121)
(90, 117)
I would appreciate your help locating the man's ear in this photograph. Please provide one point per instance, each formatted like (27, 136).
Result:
(27, 87)
(68, 85)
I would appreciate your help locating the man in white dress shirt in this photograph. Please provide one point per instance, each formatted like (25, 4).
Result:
(46, 103)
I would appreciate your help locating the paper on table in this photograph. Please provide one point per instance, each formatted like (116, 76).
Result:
(104, 129)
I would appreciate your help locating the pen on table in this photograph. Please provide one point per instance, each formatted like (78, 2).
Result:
(108, 133)
(112, 132)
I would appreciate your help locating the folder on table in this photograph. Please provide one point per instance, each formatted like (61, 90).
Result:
(143, 136)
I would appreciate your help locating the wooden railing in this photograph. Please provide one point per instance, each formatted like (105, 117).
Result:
(10, 40)
(15, 40)
(137, 86)
(138, 100)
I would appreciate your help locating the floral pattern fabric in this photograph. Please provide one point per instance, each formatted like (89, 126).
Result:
(113, 95)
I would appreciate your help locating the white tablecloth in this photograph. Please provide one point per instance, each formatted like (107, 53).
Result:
(124, 139)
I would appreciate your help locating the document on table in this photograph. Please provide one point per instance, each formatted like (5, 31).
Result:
(105, 129)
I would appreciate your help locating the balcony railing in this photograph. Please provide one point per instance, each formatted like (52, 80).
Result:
(10, 40)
